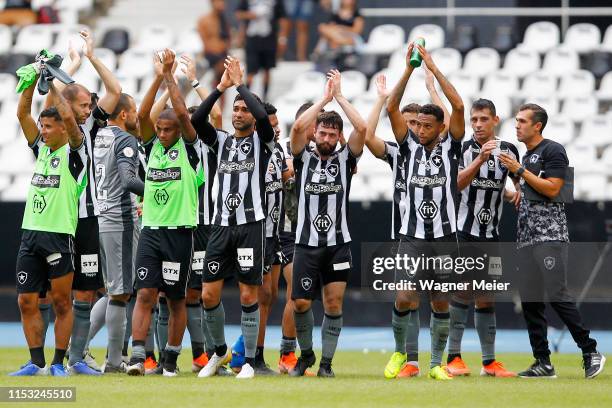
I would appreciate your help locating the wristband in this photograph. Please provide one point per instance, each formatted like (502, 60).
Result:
(520, 171)
(195, 83)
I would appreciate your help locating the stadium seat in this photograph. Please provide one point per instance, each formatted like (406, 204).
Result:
(507, 133)
(500, 83)
(385, 39)
(189, 42)
(17, 158)
(541, 36)
(447, 59)
(560, 129)
(582, 38)
(8, 83)
(129, 84)
(465, 83)
(596, 130)
(580, 107)
(155, 37)
(599, 63)
(584, 156)
(606, 43)
(522, 62)
(116, 39)
(590, 186)
(18, 190)
(560, 61)
(465, 38)
(135, 63)
(605, 87)
(6, 39)
(354, 84)
(539, 84)
(433, 34)
(9, 132)
(577, 83)
(5, 181)
(504, 39)
(549, 102)
(33, 38)
(88, 78)
(364, 104)
(481, 61)
(308, 86)
(503, 104)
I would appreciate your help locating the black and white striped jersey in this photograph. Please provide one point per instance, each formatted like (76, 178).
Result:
(481, 203)
(398, 206)
(208, 158)
(242, 163)
(431, 178)
(323, 189)
(88, 202)
(285, 223)
(274, 190)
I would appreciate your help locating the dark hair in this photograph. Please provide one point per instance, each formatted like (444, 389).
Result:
(482, 104)
(192, 109)
(51, 113)
(330, 119)
(303, 108)
(123, 104)
(71, 91)
(270, 109)
(538, 114)
(411, 108)
(434, 110)
(240, 98)
(168, 114)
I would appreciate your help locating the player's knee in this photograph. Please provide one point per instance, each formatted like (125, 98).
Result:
(28, 305)
(301, 305)
(210, 298)
(248, 297)
(147, 297)
(482, 304)
(62, 305)
(333, 306)
(193, 296)
(439, 306)
(405, 304)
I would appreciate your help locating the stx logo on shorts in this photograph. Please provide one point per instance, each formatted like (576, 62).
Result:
(245, 148)
(55, 162)
(428, 209)
(142, 273)
(173, 154)
(89, 264)
(197, 263)
(322, 223)
(549, 262)
(213, 267)
(306, 283)
(484, 216)
(22, 277)
(161, 196)
(38, 204)
(332, 170)
(233, 201)
(171, 272)
(246, 258)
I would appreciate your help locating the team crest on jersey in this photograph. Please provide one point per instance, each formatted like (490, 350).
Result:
(22, 277)
(306, 283)
(428, 209)
(55, 162)
(436, 161)
(142, 272)
(213, 267)
(534, 158)
(332, 170)
(173, 154)
(245, 148)
(549, 262)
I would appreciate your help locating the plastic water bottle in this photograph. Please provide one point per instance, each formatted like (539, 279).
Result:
(415, 58)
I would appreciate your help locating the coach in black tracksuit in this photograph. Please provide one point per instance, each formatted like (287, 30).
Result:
(542, 241)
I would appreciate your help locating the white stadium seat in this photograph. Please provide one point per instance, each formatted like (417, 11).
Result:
(560, 129)
(550, 103)
(560, 61)
(448, 60)
(583, 156)
(582, 38)
(507, 133)
(129, 84)
(590, 186)
(33, 38)
(155, 37)
(365, 103)
(606, 44)
(580, 107)
(17, 158)
(6, 39)
(501, 83)
(541, 36)
(9, 130)
(539, 83)
(465, 83)
(18, 190)
(522, 62)
(433, 34)
(136, 62)
(596, 130)
(68, 35)
(308, 86)
(481, 61)
(577, 83)
(385, 39)
(5, 181)
(605, 87)
(189, 42)
(354, 84)
(8, 83)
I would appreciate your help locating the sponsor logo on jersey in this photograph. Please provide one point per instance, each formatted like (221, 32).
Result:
(322, 188)
(400, 186)
(322, 222)
(275, 213)
(128, 152)
(241, 166)
(38, 203)
(161, 175)
(428, 181)
(273, 187)
(42, 181)
(484, 216)
(428, 209)
(233, 201)
(161, 196)
(487, 184)
(104, 142)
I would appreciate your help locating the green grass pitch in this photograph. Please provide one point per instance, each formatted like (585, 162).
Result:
(359, 382)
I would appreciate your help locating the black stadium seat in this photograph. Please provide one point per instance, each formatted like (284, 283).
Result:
(116, 39)
(10, 63)
(465, 38)
(504, 39)
(598, 63)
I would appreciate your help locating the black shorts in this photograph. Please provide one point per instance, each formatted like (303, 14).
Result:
(272, 254)
(428, 251)
(200, 242)
(486, 249)
(287, 244)
(259, 55)
(163, 260)
(87, 267)
(235, 251)
(43, 256)
(315, 267)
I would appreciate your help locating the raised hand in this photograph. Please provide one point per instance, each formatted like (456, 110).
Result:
(381, 86)
(328, 93)
(426, 56)
(158, 65)
(409, 54)
(336, 79)
(88, 47)
(225, 82)
(429, 77)
(168, 61)
(188, 67)
(234, 70)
